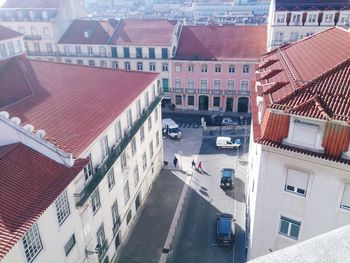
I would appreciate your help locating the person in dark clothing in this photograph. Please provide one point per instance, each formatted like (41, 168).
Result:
(175, 161)
(193, 164)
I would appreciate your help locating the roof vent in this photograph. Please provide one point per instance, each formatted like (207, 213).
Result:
(28, 127)
(40, 133)
(88, 33)
(5, 114)
(16, 120)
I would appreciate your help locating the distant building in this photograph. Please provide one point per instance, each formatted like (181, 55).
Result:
(214, 66)
(290, 20)
(76, 170)
(299, 156)
(11, 43)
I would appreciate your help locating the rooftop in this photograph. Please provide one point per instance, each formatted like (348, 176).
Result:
(74, 104)
(143, 32)
(220, 43)
(88, 32)
(30, 183)
(32, 4)
(312, 4)
(6, 33)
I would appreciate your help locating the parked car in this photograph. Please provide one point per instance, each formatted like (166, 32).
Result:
(213, 120)
(227, 178)
(228, 121)
(225, 229)
(226, 142)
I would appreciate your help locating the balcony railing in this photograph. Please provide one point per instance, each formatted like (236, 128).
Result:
(102, 170)
(190, 90)
(216, 91)
(177, 90)
(243, 92)
(103, 250)
(203, 91)
(230, 92)
(32, 37)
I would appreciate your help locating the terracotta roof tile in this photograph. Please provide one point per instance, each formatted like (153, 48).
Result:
(99, 32)
(6, 33)
(30, 183)
(221, 42)
(74, 104)
(143, 32)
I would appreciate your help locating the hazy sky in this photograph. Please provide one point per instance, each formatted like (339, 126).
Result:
(1, 2)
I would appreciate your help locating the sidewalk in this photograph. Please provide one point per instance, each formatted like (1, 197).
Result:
(146, 241)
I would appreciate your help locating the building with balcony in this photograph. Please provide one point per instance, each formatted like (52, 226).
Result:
(112, 119)
(214, 66)
(299, 156)
(42, 23)
(290, 21)
(11, 43)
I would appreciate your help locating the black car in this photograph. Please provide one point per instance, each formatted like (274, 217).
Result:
(225, 229)
(213, 120)
(227, 178)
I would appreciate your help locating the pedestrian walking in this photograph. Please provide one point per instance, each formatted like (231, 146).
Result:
(193, 164)
(200, 166)
(175, 161)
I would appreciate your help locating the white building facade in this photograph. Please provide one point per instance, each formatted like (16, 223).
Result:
(11, 43)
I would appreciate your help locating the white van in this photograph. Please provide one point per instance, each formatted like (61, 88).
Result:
(226, 142)
(171, 128)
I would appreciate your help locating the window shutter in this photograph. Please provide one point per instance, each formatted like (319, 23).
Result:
(346, 197)
(297, 179)
(305, 133)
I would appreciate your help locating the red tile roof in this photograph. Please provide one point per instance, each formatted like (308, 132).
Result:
(6, 33)
(221, 42)
(99, 32)
(143, 32)
(32, 4)
(74, 104)
(30, 183)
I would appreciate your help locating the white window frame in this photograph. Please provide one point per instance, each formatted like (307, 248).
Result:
(127, 65)
(290, 222)
(246, 69)
(88, 170)
(346, 195)
(217, 68)
(104, 146)
(126, 191)
(62, 207)
(204, 68)
(133, 146)
(190, 68)
(280, 18)
(139, 66)
(165, 67)
(32, 243)
(136, 176)
(144, 161)
(300, 187)
(69, 245)
(151, 150)
(111, 179)
(123, 162)
(95, 201)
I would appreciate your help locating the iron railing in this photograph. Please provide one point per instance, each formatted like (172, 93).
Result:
(243, 92)
(230, 92)
(190, 90)
(114, 154)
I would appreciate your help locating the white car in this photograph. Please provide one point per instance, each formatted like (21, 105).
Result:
(228, 121)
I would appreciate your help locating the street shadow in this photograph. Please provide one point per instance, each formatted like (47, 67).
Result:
(240, 245)
(239, 197)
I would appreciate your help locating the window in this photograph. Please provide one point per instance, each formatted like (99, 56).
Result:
(177, 83)
(156, 114)
(152, 66)
(151, 52)
(217, 68)
(164, 67)
(296, 182)
(177, 68)
(217, 84)
(139, 52)
(289, 227)
(296, 18)
(305, 133)
(80, 62)
(111, 179)
(62, 207)
(190, 84)
(328, 18)
(115, 217)
(103, 63)
(123, 160)
(204, 84)
(114, 52)
(127, 65)
(164, 53)
(49, 48)
(311, 18)
(245, 69)
(204, 68)
(129, 118)
(11, 47)
(66, 49)
(144, 161)
(32, 243)
(133, 146)
(69, 245)
(77, 50)
(128, 217)
(190, 68)
(231, 69)
(244, 85)
(149, 123)
(126, 52)
(104, 146)
(230, 85)
(90, 51)
(157, 138)
(216, 102)
(101, 238)
(88, 169)
(178, 100)
(34, 31)
(118, 131)
(126, 192)
(142, 134)
(345, 201)
(95, 201)
(190, 100)
(280, 18)
(91, 63)
(36, 47)
(139, 66)
(153, 91)
(151, 153)
(3, 51)
(136, 176)
(115, 64)
(294, 36)
(138, 108)
(146, 99)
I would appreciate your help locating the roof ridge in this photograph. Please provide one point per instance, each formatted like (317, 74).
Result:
(318, 102)
(289, 69)
(114, 31)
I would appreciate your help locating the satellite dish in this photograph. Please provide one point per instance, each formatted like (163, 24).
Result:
(28, 127)
(40, 133)
(5, 114)
(16, 120)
